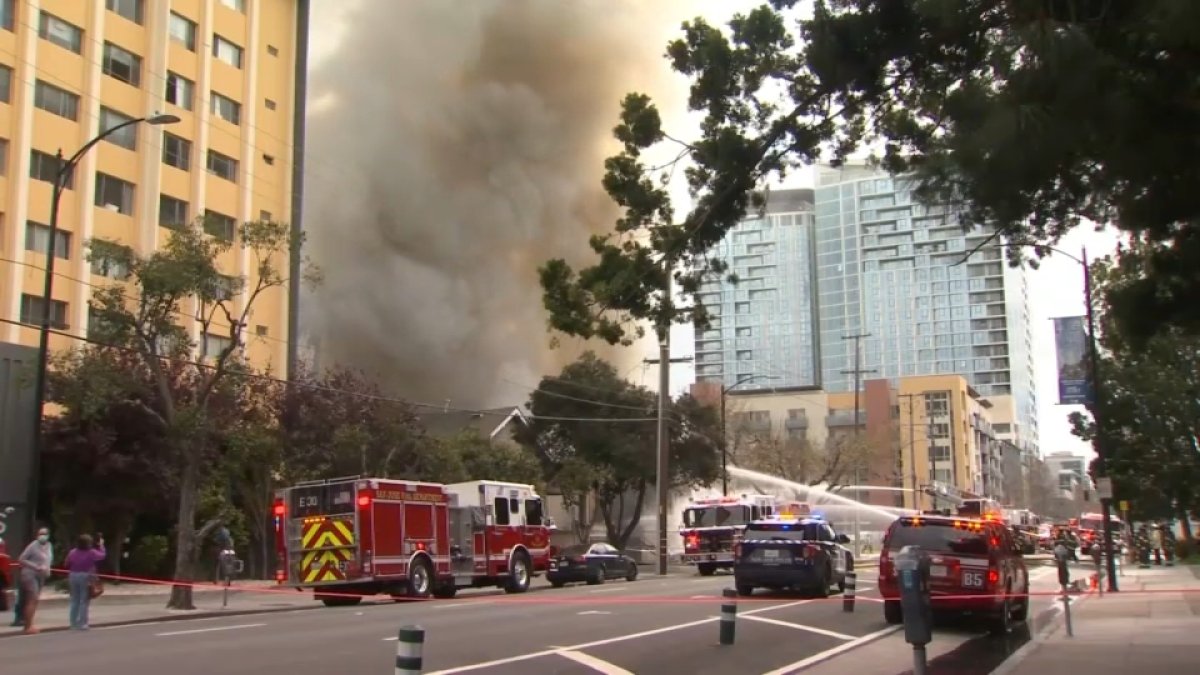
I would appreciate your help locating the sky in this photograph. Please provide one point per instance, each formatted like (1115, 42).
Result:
(1056, 287)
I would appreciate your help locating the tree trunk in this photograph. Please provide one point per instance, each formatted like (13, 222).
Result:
(185, 535)
(636, 520)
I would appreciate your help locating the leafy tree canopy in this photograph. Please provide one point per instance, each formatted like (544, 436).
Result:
(595, 433)
(1150, 401)
(1030, 116)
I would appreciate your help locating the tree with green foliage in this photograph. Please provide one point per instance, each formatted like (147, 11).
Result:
(1029, 116)
(1151, 402)
(595, 436)
(339, 423)
(146, 315)
(483, 458)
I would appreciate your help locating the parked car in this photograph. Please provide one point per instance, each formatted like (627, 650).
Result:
(976, 568)
(590, 563)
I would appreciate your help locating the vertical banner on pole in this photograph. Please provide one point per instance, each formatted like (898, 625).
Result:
(1071, 346)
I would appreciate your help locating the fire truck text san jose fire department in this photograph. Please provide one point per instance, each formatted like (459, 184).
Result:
(350, 537)
(711, 527)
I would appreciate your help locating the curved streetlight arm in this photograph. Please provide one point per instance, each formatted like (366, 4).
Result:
(64, 170)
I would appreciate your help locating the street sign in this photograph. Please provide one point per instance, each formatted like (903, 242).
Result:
(1104, 487)
(1124, 504)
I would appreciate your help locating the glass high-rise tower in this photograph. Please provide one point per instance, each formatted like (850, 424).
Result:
(898, 272)
(764, 325)
(874, 262)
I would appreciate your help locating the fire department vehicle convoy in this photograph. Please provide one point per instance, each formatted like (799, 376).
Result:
(346, 538)
(711, 528)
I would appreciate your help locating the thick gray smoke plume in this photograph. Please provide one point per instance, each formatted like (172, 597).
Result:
(454, 145)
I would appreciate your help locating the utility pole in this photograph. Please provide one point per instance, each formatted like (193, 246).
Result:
(912, 447)
(857, 372)
(663, 482)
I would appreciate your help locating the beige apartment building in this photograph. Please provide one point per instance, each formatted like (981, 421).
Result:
(230, 70)
(932, 438)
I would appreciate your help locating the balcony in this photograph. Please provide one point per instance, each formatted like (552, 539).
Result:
(796, 422)
(846, 418)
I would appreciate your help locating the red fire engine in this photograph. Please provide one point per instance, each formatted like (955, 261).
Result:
(711, 527)
(346, 538)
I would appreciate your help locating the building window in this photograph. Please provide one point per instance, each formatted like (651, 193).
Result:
(122, 65)
(3, 156)
(182, 31)
(180, 91)
(270, 104)
(114, 194)
(213, 346)
(226, 108)
(7, 14)
(126, 137)
(5, 83)
(108, 265)
(32, 307)
(43, 166)
(227, 51)
(272, 50)
(225, 287)
(172, 212)
(65, 35)
(222, 166)
(269, 159)
(54, 100)
(260, 330)
(37, 239)
(219, 225)
(130, 9)
(177, 152)
(264, 216)
(235, 5)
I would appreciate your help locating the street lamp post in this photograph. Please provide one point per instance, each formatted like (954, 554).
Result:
(1100, 442)
(65, 169)
(724, 435)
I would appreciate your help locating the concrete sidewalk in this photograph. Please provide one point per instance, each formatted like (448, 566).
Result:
(142, 604)
(1150, 626)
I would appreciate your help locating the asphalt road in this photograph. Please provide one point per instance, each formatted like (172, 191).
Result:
(653, 625)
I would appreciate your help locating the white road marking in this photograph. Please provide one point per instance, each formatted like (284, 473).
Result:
(209, 630)
(830, 653)
(800, 626)
(868, 598)
(606, 590)
(592, 612)
(703, 597)
(608, 641)
(594, 663)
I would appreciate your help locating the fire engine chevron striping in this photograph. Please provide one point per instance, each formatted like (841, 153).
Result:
(333, 541)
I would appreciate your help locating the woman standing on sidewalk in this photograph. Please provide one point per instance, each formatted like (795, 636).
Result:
(35, 569)
(81, 564)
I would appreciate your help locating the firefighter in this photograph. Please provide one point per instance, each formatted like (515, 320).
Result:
(1141, 543)
(1156, 542)
(1066, 538)
(1168, 540)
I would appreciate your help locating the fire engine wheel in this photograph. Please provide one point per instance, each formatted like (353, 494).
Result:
(445, 591)
(518, 576)
(420, 578)
(706, 569)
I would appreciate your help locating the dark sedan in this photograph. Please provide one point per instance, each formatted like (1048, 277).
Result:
(592, 563)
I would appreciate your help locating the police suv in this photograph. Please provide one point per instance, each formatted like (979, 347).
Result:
(793, 549)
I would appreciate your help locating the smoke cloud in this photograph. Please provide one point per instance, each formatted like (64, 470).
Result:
(452, 148)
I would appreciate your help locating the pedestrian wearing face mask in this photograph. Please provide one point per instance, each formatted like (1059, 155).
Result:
(35, 570)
